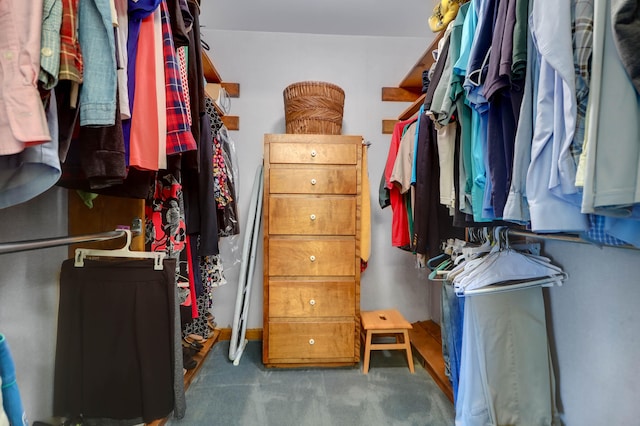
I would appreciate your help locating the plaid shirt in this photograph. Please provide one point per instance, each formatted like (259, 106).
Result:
(582, 30)
(179, 136)
(50, 43)
(71, 65)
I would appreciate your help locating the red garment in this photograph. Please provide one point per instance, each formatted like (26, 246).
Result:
(144, 141)
(71, 64)
(179, 136)
(400, 223)
(165, 228)
(192, 284)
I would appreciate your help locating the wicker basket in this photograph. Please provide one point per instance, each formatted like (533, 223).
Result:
(313, 107)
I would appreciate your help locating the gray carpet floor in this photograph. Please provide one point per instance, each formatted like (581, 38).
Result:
(250, 394)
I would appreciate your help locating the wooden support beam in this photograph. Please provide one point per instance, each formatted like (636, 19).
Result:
(232, 122)
(412, 109)
(398, 94)
(388, 125)
(233, 89)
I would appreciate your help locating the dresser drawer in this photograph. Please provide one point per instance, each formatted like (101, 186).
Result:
(303, 341)
(313, 180)
(297, 257)
(313, 153)
(312, 216)
(311, 299)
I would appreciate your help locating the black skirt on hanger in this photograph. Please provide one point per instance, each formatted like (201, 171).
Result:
(114, 353)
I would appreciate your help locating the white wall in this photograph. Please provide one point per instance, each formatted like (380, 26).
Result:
(29, 296)
(593, 327)
(264, 64)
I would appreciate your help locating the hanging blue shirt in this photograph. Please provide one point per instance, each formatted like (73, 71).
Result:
(415, 146)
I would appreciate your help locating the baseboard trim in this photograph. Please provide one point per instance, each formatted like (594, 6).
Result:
(251, 334)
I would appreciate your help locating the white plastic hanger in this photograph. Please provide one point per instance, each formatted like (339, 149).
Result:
(125, 251)
(504, 269)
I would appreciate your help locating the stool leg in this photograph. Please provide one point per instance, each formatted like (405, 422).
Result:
(407, 345)
(367, 353)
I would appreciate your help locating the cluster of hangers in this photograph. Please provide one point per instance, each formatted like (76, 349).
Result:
(492, 263)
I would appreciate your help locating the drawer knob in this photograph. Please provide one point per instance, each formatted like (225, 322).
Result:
(314, 153)
(313, 181)
(312, 302)
(312, 258)
(311, 341)
(312, 217)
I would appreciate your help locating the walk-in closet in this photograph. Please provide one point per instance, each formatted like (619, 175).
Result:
(200, 200)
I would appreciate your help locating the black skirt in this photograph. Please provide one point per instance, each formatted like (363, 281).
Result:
(114, 352)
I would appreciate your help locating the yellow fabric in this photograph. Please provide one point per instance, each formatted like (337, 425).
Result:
(444, 12)
(365, 218)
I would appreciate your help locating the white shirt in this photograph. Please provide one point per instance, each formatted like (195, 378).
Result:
(553, 197)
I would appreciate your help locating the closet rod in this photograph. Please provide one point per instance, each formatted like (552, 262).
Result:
(18, 246)
(560, 237)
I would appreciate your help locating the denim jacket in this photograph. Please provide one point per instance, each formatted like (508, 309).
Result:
(97, 42)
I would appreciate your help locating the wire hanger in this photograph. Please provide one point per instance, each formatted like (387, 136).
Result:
(125, 251)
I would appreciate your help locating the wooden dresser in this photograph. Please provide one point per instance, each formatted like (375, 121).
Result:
(312, 187)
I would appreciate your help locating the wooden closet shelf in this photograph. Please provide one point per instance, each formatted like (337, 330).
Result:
(211, 75)
(210, 72)
(410, 88)
(414, 77)
(214, 82)
(427, 342)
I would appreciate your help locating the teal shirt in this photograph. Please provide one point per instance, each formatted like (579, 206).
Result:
(462, 40)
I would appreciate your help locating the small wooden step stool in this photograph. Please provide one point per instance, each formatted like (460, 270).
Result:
(387, 322)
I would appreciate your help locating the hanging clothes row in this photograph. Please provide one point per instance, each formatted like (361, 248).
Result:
(511, 106)
(516, 106)
(107, 98)
(88, 65)
(112, 102)
(494, 340)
